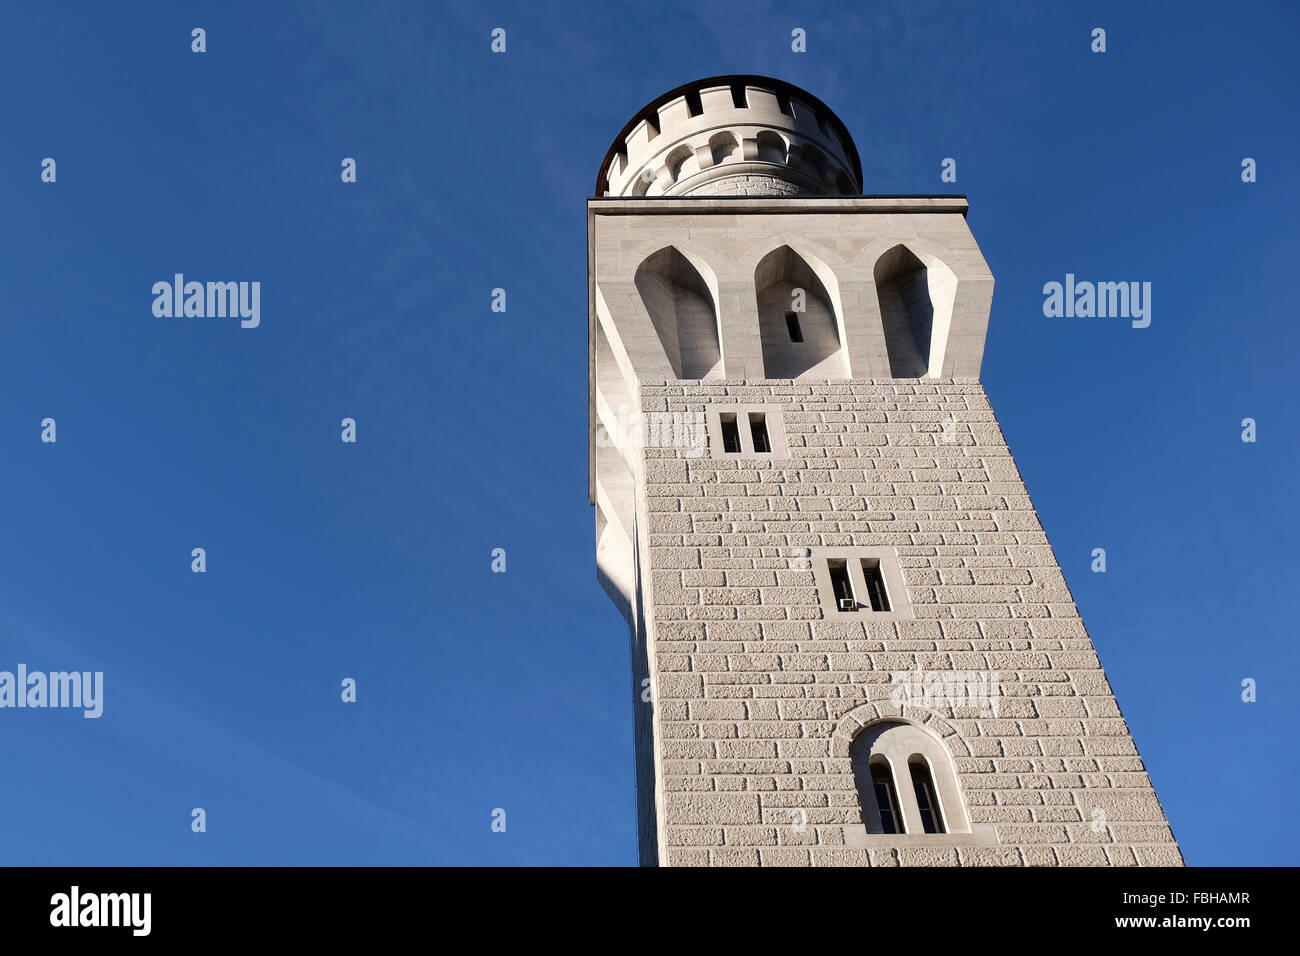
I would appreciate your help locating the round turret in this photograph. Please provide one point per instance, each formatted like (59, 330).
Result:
(733, 136)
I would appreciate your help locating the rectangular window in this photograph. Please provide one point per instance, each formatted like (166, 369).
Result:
(842, 586)
(875, 584)
(868, 581)
(758, 431)
(730, 434)
(746, 431)
(792, 323)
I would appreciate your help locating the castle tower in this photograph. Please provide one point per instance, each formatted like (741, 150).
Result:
(852, 643)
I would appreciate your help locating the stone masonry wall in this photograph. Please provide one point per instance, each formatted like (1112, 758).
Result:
(757, 695)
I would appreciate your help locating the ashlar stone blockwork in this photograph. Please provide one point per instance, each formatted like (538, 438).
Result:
(758, 695)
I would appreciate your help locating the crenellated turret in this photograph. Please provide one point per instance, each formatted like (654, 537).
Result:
(733, 136)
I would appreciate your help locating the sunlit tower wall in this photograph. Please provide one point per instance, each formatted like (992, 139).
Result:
(852, 643)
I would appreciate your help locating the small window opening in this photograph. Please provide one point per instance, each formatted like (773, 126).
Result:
(792, 323)
(925, 802)
(875, 585)
(882, 781)
(730, 434)
(842, 586)
(758, 431)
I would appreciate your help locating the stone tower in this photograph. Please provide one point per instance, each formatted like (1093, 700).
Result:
(852, 643)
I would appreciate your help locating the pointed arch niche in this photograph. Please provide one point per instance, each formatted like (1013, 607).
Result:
(916, 294)
(682, 304)
(798, 344)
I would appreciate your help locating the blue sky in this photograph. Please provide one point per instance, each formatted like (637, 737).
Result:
(372, 561)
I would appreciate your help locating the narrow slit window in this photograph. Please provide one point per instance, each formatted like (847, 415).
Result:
(758, 431)
(747, 431)
(842, 586)
(931, 821)
(730, 434)
(792, 323)
(882, 781)
(875, 586)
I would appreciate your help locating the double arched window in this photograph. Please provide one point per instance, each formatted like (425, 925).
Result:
(905, 781)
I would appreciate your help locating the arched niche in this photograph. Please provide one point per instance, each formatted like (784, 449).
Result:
(916, 295)
(682, 306)
(722, 146)
(798, 326)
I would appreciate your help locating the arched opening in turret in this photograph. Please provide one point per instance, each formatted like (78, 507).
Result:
(723, 145)
(814, 162)
(916, 299)
(682, 307)
(797, 321)
(681, 162)
(771, 147)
